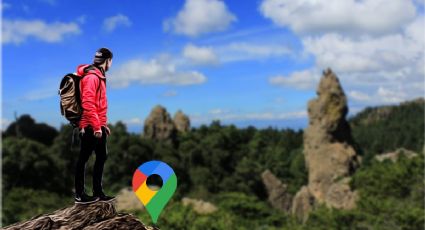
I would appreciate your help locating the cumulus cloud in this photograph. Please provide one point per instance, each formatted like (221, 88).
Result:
(305, 79)
(111, 23)
(234, 52)
(342, 16)
(18, 31)
(200, 55)
(133, 121)
(200, 17)
(378, 56)
(240, 51)
(154, 71)
(359, 96)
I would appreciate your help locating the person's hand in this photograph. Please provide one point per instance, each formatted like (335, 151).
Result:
(98, 134)
(108, 131)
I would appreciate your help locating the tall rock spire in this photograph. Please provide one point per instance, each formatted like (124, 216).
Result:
(329, 154)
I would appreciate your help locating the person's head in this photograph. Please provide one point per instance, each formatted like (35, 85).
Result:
(103, 59)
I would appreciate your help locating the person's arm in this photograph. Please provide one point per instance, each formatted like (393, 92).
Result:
(88, 100)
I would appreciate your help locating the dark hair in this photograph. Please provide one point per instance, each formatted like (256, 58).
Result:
(101, 56)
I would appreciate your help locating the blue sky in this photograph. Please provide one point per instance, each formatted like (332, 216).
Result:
(243, 62)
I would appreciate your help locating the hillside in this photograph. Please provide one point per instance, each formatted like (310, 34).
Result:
(386, 128)
(223, 165)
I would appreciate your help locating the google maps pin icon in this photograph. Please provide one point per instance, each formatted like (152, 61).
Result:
(154, 201)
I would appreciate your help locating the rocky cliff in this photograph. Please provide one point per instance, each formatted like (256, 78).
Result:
(99, 215)
(159, 125)
(328, 151)
(181, 122)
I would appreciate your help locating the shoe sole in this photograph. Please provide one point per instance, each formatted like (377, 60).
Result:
(89, 202)
(107, 200)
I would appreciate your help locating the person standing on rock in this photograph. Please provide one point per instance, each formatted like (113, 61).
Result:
(93, 125)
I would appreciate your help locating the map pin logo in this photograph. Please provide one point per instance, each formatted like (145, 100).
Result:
(154, 201)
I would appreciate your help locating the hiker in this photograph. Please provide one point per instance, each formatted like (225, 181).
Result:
(93, 129)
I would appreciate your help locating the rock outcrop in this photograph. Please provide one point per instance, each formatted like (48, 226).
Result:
(302, 204)
(159, 125)
(199, 206)
(126, 200)
(279, 198)
(181, 122)
(99, 215)
(328, 151)
(393, 156)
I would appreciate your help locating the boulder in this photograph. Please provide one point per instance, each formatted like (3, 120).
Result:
(199, 206)
(393, 156)
(278, 198)
(302, 204)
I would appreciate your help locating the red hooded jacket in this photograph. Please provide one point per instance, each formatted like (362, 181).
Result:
(93, 97)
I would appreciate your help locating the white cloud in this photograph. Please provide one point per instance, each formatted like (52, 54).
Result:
(200, 55)
(240, 51)
(380, 64)
(359, 96)
(18, 31)
(111, 23)
(133, 121)
(377, 53)
(234, 52)
(344, 54)
(306, 79)
(229, 116)
(354, 17)
(154, 71)
(216, 111)
(381, 95)
(200, 17)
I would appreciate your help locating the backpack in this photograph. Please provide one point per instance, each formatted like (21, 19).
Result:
(70, 100)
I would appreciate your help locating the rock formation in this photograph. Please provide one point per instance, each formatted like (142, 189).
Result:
(181, 122)
(278, 198)
(126, 200)
(160, 126)
(302, 204)
(199, 206)
(328, 151)
(393, 156)
(99, 215)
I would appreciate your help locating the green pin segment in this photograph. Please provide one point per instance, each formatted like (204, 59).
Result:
(154, 201)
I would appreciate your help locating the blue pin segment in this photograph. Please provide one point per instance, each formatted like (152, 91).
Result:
(157, 167)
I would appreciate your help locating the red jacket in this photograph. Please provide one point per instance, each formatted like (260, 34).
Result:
(93, 97)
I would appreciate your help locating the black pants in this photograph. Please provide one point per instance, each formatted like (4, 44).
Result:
(90, 143)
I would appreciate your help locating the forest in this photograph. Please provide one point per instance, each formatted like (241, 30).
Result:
(222, 164)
